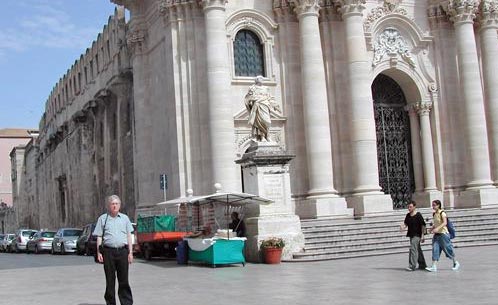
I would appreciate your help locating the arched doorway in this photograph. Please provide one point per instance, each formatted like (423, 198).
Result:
(392, 126)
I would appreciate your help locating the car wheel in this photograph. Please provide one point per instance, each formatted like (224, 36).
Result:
(63, 250)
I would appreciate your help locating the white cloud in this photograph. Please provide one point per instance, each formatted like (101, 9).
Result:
(46, 26)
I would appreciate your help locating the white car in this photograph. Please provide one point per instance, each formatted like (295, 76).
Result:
(21, 239)
(5, 242)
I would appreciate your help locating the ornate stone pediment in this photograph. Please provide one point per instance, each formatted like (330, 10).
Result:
(391, 43)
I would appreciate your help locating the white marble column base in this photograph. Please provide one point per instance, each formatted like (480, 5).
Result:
(335, 207)
(424, 199)
(370, 205)
(263, 227)
(479, 198)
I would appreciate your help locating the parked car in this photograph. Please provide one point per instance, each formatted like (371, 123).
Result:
(65, 240)
(87, 242)
(5, 242)
(21, 239)
(40, 241)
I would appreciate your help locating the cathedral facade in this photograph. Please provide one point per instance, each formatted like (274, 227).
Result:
(382, 102)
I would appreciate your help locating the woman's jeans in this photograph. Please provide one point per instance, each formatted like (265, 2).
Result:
(442, 242)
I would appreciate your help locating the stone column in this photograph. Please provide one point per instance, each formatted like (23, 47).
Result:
(221, 125)
(423, 110)
(462, 14)
(316, 111)
(368, 197)
(416, 155)
(480, 191)
(489, 56)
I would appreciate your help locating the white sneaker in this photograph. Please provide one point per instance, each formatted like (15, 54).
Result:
(409, 269)
(431, 269)
(456, 266)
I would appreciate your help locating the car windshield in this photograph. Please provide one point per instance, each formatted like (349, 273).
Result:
(72, 232)
(48, 234)
(11, 237)
(27, 233)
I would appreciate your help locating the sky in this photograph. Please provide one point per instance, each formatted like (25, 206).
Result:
(39, 41)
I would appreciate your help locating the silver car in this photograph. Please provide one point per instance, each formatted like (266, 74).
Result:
(65, 240)
(19, 242)
(40, 241)
(5, 242)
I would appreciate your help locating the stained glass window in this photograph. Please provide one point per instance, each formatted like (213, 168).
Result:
(248, 54)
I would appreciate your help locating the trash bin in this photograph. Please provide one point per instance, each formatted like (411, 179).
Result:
(182, 252)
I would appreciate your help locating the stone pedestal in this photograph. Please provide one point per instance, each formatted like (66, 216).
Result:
(334, 207)
(424, 199)
(477, 198)
(370, 205)
(265, 170)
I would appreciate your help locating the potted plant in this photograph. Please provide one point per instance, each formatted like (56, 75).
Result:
(272, 249)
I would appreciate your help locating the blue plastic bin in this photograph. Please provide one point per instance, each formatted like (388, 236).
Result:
(182, 252)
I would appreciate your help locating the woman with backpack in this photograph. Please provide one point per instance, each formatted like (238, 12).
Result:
(441, 239)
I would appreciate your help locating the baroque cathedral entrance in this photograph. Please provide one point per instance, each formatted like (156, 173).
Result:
(392, 126)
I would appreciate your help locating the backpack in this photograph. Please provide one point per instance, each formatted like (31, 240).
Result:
(450, 226)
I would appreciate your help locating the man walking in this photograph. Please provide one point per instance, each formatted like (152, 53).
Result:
(113, 231)
(414, 222)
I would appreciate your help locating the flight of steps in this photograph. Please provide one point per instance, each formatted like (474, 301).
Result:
(327, 239)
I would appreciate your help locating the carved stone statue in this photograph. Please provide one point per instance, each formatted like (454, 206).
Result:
(260, 104)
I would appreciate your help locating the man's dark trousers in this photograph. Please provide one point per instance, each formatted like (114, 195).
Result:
(116, 263)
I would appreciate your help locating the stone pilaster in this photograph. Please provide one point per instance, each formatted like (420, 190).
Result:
(423, 110)
(321, 195)
(462, 14)
(367, 197)
(480, 191)
(488, 19)
(221, 124)
(416, 153)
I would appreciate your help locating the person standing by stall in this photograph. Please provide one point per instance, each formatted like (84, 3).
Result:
(415, 225)
(113, 231)
(237, 225)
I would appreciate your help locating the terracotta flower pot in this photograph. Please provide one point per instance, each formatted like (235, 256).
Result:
(272, 255)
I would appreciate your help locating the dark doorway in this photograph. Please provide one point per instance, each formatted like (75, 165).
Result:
(393, 141)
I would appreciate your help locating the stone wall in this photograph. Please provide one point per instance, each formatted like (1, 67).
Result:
(85, 148)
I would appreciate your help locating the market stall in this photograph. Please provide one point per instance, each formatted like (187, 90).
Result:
(211, 213)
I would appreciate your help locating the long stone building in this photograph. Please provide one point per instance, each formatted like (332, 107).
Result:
(382, 102)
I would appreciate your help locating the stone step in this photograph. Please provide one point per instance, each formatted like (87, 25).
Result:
(460, 227)
(375, 252)
(380, 242)
(313, 242)
(343, 238)
(390, 221)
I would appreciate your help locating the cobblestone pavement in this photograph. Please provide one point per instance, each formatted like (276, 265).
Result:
(375, 280)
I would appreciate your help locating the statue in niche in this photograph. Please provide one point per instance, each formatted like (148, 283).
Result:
(260, 104)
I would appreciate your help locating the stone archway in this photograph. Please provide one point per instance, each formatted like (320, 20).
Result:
(394, 152)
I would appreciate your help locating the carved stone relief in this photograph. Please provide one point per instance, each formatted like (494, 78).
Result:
(391, 43)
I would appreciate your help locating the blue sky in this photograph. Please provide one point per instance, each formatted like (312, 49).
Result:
(39, 41)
